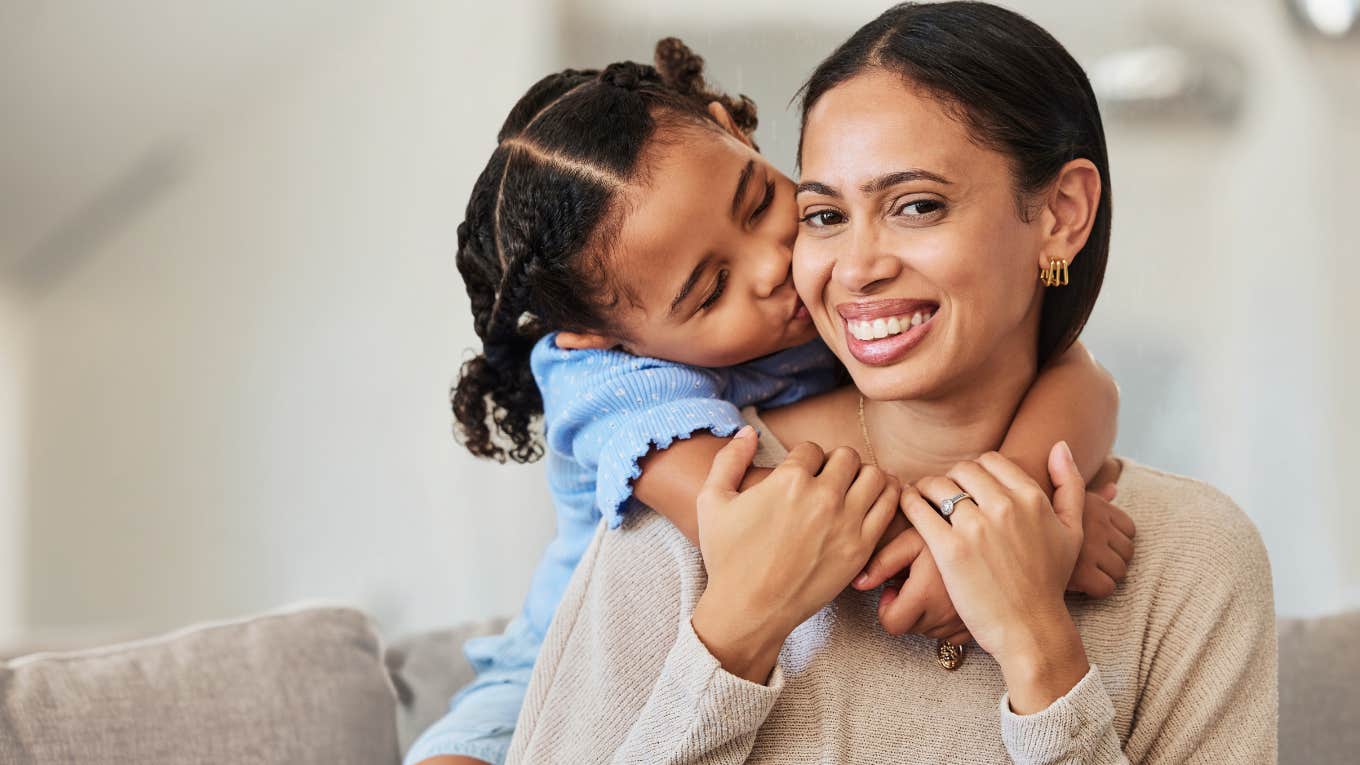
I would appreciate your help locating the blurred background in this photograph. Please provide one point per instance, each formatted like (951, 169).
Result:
(229, 314)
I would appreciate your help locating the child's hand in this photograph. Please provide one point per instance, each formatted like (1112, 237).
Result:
(921, 605)
(1105, 555)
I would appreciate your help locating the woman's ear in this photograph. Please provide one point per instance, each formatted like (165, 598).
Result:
(585, 341)
(1070, 211)
(724, 118)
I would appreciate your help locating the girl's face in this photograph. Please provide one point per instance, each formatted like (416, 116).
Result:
(912, 256)
(704, 253)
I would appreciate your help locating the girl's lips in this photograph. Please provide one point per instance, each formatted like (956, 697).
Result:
(887, 350)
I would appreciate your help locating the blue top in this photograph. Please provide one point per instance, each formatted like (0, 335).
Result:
(603, 410)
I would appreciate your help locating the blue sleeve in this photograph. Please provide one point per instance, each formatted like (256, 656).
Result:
(607, 409)
(481, 718)
(785, 377)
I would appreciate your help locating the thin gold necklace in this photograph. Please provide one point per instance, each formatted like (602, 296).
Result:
(864, 431)
(947, 655)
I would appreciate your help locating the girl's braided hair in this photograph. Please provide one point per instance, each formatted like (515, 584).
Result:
(532, 246)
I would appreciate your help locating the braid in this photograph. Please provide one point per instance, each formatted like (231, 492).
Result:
(682, 70)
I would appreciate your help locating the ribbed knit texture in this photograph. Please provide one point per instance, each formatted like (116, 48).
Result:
(1183, 656)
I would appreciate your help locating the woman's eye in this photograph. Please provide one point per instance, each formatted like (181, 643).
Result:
(920, 207)
(823, 218)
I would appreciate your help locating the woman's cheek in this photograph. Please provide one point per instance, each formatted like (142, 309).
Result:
(811, 271)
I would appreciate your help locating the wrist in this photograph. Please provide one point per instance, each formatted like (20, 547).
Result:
(1042, 663)
(745, 645)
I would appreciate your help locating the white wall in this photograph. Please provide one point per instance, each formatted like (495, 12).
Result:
(241, 399)
(13, 367)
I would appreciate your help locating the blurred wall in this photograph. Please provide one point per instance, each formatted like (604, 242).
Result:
(240, 397)
(13, 367)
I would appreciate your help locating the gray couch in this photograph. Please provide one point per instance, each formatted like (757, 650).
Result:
(318, 685)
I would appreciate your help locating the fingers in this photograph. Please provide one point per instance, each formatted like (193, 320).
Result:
(881, 514)
(1112, 565)
(841, 469)
(983, 486)
(1069, 493)
(807, 457)
(1089, 579)
(937, 489)
(891, 559)
(1122, 545)
(934, 529)
(959, 638)
(898, 613)
(730, 463)
(1106, 492)
(1122, 521)
(1010, 474)
(867, 487)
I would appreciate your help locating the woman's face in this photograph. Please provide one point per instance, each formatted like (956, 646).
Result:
(911, 254)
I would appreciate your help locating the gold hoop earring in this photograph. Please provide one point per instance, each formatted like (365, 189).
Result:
(1056, 273)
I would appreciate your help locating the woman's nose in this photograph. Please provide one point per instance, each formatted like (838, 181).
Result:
(865, 264)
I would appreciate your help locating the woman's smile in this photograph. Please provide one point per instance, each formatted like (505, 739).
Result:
(881, 332)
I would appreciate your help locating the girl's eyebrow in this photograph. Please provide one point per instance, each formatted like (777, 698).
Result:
(745, 178)
(875, 185)
(688, 286)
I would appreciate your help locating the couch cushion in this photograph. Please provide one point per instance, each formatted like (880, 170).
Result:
(427, 670)
(1320, 690)
(298, 686)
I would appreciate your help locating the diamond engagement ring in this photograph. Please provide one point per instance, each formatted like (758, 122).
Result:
(947, 506)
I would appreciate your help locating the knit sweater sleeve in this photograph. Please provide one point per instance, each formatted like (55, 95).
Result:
(1208, 684)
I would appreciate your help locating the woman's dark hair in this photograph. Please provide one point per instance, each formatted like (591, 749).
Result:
(1019, 92)
(539, 224)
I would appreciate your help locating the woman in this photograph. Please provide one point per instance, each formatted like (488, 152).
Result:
(949, 152)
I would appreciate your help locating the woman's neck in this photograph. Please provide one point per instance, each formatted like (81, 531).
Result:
(921, 437)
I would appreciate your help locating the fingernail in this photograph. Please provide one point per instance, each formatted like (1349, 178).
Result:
(862, 580)
(746, 432)
(1067, 450)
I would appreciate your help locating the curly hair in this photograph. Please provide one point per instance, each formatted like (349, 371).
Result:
(532, 245)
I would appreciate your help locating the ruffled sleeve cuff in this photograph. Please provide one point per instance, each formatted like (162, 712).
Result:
(656, 428)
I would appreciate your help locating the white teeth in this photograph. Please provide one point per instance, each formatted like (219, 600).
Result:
(881, 328)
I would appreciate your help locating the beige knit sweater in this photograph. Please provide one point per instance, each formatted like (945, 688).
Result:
(1183, 662)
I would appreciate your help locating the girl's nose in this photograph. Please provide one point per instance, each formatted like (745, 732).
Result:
(774, 269)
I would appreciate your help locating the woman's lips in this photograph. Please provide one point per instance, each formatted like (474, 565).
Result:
(890, 349)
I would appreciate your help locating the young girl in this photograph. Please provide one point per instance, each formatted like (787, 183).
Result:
(627, 253)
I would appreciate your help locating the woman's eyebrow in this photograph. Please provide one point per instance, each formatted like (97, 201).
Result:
(875, 185)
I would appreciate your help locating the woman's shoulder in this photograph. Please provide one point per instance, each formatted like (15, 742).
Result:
(1182, 520)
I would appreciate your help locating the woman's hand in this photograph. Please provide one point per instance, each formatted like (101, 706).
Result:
(779, 551)
(1006, 558)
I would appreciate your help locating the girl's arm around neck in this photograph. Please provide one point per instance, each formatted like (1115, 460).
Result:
(672, 479)
(1075, 400)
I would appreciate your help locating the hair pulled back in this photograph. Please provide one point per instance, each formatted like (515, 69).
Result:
(532, 246)
(1019, 92)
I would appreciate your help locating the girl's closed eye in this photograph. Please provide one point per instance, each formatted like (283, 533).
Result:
(764, 203)
(717, 291)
